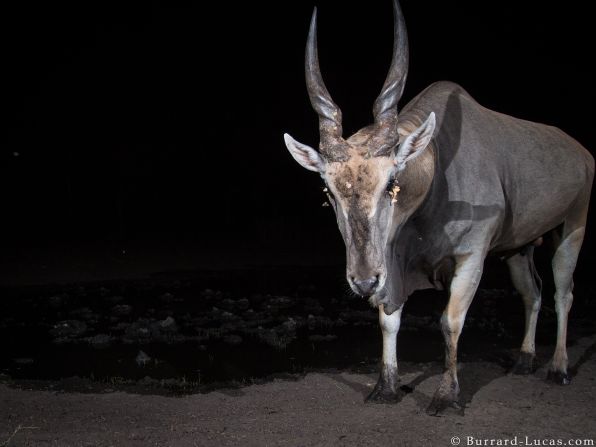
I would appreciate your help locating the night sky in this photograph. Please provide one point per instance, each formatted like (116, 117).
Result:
(153, 130)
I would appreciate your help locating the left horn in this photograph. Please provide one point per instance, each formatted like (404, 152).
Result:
(330, 128)
(385, 107)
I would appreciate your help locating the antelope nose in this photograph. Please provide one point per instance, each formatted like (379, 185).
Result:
(368, 286)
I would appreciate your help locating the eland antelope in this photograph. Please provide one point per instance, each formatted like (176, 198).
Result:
(423, 196)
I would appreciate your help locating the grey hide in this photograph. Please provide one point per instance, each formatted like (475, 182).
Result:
(423, 196)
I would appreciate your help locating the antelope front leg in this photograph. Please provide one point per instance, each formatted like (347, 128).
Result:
(387, 388)
(463, 287)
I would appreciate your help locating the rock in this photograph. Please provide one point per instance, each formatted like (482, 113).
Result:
(312, 306)
(166, 297)
(168, 325)
(228, 316)
(83, 313)
(250, 314)
(24, 361)
(148, 381)
(119, 327)
(227, 304)
(340, 323)
(210, 294)
(243, 304)
(170, 383)
(233, 339)
(100, 341)
(68, 328)
(56, 301)
(318, 322)
(142, 359)
(256, 299)
(272, 339)
(141, 329)
(215, 313)
(121, 310)
(234, 305)
(289, 325)
(279, 337)
(115, 299)
(280, 302)
(197, 323)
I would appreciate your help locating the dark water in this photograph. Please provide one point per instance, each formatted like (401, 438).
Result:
(196, 331)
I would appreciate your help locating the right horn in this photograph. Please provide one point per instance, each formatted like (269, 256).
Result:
(385, 107)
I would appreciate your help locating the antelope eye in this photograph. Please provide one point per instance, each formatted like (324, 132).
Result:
(393, 189)
(390, 184)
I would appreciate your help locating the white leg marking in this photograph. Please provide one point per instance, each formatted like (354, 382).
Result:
(389, 328)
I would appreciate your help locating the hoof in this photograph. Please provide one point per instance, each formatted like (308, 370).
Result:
(386, 390)
(380, 396)
(384, 393)
(440, 404)
(558, 377)
(524, 365)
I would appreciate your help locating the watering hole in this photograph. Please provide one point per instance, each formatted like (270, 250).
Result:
(186, 332)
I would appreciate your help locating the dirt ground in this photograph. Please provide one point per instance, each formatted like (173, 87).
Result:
(317, 409)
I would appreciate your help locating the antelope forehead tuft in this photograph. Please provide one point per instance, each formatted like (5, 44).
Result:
(360, 179)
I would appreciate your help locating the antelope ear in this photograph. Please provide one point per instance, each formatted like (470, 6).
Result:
(305, 155)
(416, 142)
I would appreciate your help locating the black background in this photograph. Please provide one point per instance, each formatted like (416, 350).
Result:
(148, 136)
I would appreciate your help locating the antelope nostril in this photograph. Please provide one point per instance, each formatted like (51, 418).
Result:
(366, 286)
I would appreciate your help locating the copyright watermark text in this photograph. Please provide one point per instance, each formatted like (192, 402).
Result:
(520, 441)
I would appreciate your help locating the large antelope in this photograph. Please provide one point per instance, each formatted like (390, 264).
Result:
(421, 198)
